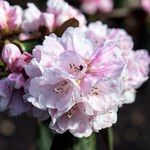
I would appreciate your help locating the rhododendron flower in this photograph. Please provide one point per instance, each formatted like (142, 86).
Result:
(75, 71)
(91, 6)
(81, 120)
(63, 12)
(10, 17)
(105, 120)
(11, 98)
(33, 22)
(15, 81)
(79, 79)
(77, 120)
(97, 32)
(82, 77)
(12, 86)
(5, 93)
(146, 5)
(13, 58)
(54, 89)
(135, 73)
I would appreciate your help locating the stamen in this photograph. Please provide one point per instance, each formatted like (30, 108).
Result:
(61, 87)
(75, 68)
(71, 112)
(95, 91)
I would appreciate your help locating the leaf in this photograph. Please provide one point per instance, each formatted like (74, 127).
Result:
(27, 46)
(45, 137)
(3, 71)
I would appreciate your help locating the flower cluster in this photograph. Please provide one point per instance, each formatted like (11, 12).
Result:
(83, 77)
(14, 18)
(12, 87)
(79, 79)
(10, 17)
(91, 6)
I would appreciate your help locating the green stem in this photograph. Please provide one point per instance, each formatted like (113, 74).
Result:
(110, 138)
(45, 137)
(107, 135)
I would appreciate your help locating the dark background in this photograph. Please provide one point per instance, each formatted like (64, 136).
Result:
(132, 131)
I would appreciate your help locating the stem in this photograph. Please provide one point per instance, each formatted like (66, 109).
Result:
(110, 138)
(45, 137)
(107, 135)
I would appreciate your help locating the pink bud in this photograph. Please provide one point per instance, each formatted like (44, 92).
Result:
(10, 53)
(11, 16)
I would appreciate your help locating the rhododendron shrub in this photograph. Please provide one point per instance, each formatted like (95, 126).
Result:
(78, 79)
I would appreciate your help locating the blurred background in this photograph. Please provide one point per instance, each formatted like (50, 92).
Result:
(132, 131)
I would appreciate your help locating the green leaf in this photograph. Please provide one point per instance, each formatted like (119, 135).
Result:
(27, 46)
(45, 137)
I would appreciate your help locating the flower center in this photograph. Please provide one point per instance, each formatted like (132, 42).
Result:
(75, 68)
(95, 91)
(61, 87)
(71, 112)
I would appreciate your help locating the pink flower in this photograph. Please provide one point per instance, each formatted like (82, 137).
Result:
(97, 32)
(11, 17)
(105, 120)
(77, 55)
(34, 22)
(122, 38)
(91, 6)
(5, 93)
(135, 73)
(146, 5)
(77, 120)
(81, 120)
(12, 87)
(102, 96)
(17, 105)
(10, 53)
(13, 58)
(82, 77)
(12, 99)
(63, 12)
(70, 72)
(54, 89)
